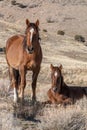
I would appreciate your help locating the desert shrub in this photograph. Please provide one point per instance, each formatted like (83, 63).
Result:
(44, 30)
(21, 5)
(33, 5)
(50, 20)
(13, 2)
(79, 38)
(60, 32)
(2, 49)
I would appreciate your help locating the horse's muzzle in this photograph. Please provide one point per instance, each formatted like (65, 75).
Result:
(30, 49)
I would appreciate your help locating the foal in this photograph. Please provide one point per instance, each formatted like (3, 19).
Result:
(23, 52)
(59, 92)
(54, 93)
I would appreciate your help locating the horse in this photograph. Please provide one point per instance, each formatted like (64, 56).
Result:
(23, 52)
(61, 93)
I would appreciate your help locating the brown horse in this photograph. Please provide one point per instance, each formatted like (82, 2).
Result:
(60, 92)
(23, 52)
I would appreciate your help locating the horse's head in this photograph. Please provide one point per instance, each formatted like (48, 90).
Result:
(32, 35)
(56, 77)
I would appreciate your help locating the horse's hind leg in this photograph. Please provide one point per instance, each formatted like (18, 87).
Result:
(10, 77)
(16, 75)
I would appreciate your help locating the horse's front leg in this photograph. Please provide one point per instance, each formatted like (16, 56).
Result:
(22, 82)
(34, 81)
(13, 81)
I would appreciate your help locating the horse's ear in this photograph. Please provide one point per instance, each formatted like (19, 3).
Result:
(51, 66)
(27, 22)
(37, 22)
(60, 67)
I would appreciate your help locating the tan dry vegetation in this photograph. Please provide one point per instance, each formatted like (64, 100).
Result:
(70, 16)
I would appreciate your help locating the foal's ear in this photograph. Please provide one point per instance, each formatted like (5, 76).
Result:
(60, 67)
(51, 66)
(27, 22)
(37, 23)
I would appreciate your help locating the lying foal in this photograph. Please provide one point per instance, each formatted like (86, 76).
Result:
(59, 92)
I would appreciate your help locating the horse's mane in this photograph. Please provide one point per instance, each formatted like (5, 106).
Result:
(24, 42)
(64, 87)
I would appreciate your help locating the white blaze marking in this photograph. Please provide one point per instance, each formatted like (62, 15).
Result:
(31, 31)
(55, 74)
(15, 95)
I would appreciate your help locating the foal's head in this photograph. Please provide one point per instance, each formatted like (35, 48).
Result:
(32, 35)
(56, 77)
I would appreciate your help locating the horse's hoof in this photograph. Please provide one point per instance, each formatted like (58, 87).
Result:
(15, 101)
(34, 101)
(15, 104)
(21, 101)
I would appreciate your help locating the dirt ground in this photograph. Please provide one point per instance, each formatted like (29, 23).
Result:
(68, 16)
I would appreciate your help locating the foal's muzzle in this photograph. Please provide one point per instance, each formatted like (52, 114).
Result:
(55, 89)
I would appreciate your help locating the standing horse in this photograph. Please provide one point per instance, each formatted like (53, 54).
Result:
(23, 52)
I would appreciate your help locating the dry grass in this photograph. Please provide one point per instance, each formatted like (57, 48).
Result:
(70, 118)
(43, 117)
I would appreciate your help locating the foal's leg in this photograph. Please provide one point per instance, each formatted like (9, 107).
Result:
(68, 101)
(22, 82)
(51, 97)
(34, 81)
